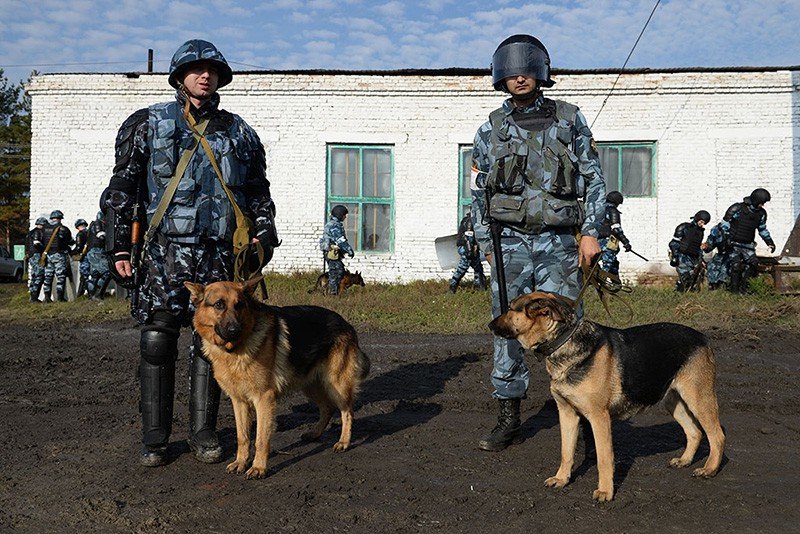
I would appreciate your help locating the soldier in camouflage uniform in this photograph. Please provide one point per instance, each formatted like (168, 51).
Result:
(99, 274)
(685, 250)
(34, 245)
(718, 271)
(334, 244)
(611, 235)
(469, 256)
(57, 261)
(741, 222)
(80, 252)
(537, 161)
(193, 241)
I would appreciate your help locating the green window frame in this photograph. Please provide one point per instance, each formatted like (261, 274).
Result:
(361, 177)
(629, 167)
(464, 180)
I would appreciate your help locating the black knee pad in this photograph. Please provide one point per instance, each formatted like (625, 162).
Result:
(159, 341)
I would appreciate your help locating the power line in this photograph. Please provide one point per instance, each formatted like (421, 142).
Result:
(626, 63)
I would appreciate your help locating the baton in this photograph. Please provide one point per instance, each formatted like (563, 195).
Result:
(636, 253)
(495, 230)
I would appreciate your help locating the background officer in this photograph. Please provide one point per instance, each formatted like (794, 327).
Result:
(58, 240)
(741, 222)
(79, 253)
(611, 235)
(334, 244)
(536, 160)
(469, 256)
(34, 245)
(719, 268)
(100, 276)
(193, 241)
(685, 248)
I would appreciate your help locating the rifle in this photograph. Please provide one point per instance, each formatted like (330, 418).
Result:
(136, 246)
(495, 229)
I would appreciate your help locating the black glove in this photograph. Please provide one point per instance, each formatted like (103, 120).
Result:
(771, 247)
(627, 247)
(673, 262)
(351, 254)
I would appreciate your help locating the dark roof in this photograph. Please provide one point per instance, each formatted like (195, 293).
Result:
(463, 71)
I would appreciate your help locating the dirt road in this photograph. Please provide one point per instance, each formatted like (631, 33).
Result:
(70, 431)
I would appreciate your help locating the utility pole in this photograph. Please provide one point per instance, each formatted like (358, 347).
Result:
(149, 60)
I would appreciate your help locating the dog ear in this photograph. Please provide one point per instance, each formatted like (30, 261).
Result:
(196, 292)
(536, 307)
(550, 307)
(250, 286)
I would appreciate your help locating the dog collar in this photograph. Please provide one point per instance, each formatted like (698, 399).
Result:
(546, 349)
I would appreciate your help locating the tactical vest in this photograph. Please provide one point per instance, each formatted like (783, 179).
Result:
(200, 207)
(612, 217)
(97, 235)
(691, 240)
(743, 227)
(533, 174)
(59, 241)
(32, 248)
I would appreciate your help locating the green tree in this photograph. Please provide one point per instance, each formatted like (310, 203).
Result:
(15, 162)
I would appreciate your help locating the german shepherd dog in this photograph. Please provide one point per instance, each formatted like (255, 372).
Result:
(349, 279)
(601, 372)
(259, 352)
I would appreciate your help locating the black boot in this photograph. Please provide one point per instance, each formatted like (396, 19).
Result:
(81, 287)
(157, 389)
(47, 298)
(34, 298)
(507, 430)
(60, 295)
(204, 393)
(453, 286)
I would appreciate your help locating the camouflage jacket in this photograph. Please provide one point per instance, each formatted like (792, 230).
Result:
(333, 234)
(740, 210)
(567, 142)
(33, 242)
(149, 145)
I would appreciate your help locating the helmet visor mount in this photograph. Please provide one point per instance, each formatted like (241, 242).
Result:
(521, 58)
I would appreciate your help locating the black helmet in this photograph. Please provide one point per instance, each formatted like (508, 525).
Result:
(614, 197)
(100, 216)
(41, 220)
(339, 212)
(521, 54)
(759, 196)
(56, 214)
(193, 51)
(702, 215)
(81, 222)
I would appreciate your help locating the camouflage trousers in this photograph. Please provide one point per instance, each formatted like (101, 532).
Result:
(99, 271)
(335, 274)
(743, 263)
(685, 268)
(35, 275)
(464, 263)
(608, 258)
(719, 269)
(167, 265)
(543, 262)
(57, 265)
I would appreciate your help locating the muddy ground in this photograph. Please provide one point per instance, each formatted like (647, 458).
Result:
(70, 431)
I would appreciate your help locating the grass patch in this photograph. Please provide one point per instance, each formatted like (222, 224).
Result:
(427, 307)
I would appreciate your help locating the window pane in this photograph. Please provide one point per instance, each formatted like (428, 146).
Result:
(466, 169)
(636, 171)
(378, 173)
(344, 172)
(375, 227)
(609, 162)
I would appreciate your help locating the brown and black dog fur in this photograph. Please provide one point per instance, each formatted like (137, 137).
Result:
(259, 352)
(603, 373)
(349, 279)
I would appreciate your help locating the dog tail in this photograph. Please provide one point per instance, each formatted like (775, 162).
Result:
(364, 364)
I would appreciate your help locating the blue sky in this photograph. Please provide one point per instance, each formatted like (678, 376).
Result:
(113, 36)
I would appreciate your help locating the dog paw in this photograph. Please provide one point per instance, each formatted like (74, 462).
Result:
(341, 446)
(236, 467)
(256, 472)
(555, 482)
(309, 436)
(679, 462)
(702, 472)
(602, 496)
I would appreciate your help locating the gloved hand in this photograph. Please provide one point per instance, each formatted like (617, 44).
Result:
(351, 254)
(673, 262)
(627, 247)
(771, 247)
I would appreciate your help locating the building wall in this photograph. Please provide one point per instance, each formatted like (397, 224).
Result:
(719, 135)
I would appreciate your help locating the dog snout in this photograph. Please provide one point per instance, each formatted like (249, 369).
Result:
(499, 327)
(229, 332)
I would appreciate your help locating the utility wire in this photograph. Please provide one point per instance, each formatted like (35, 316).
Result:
(625, 64)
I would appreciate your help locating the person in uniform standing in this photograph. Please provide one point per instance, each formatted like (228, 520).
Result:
(537, 163)
(193, 241)
(718, 271)
(58, 240)
(685, 252)
(469, 256)
(611, 235)
(99, 273)
(34, 245)
(741, 221)
(334, 245)
(79, 253)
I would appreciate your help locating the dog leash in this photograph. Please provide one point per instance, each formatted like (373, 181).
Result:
(598, 279)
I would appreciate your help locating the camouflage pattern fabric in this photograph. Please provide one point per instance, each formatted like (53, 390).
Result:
(333, 234)
(719, 268)
(335, 275)
(57, 265)
(465, 261)
(98, 270)
(608, 258)
(167, 265)
(35, 274)
(743, 263)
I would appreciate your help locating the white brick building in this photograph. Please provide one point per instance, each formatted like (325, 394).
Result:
(712, 136)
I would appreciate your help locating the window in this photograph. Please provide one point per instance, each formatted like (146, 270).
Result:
(362, 178)
(464, 172)
(629, 168)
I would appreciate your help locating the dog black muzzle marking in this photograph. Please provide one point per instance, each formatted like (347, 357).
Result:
(230, 332)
